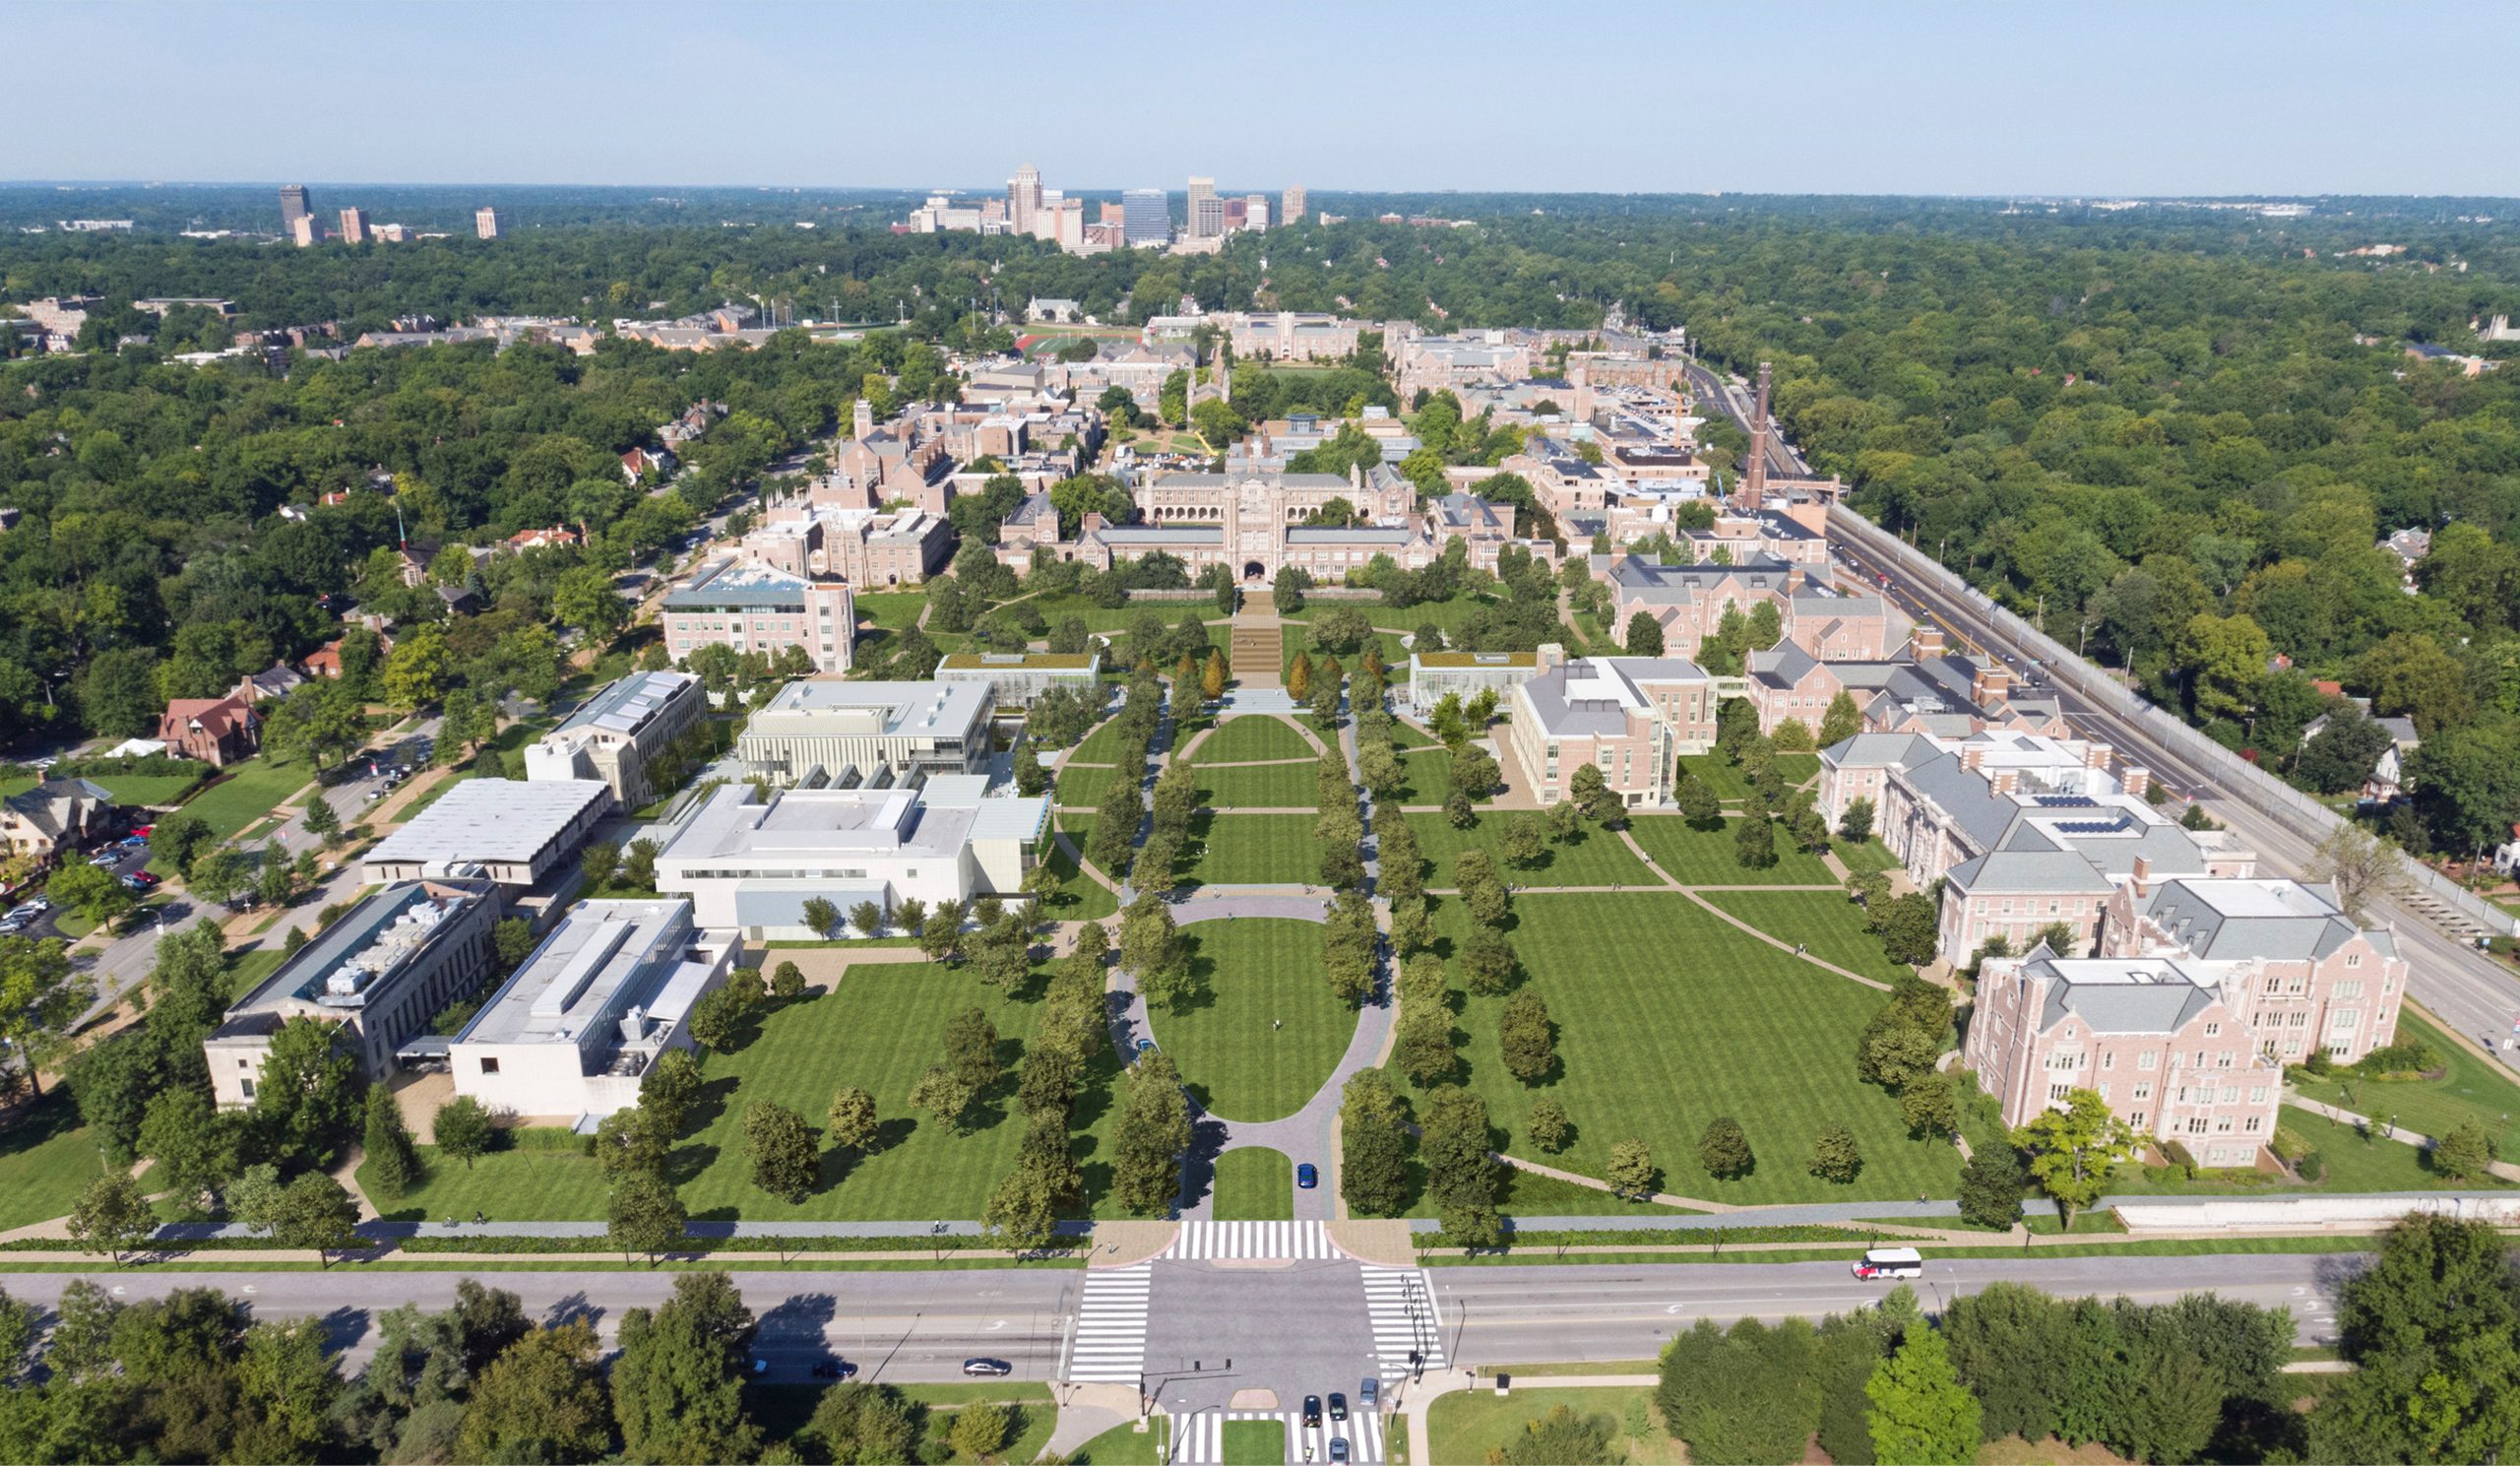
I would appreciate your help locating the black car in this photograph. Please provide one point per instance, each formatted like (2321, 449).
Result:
(1312, 1412)
(834, 1368)
(1338, 1407)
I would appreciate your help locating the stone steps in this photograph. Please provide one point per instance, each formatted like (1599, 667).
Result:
(1255, 655)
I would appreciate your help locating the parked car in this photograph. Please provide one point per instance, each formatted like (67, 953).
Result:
(139, 880)
(834, 1368)
(1312, 1412)
(1306, 1177)
(40, 904)
(1891, 1263)
(105, 858)
(987, 1367)
(143, 832)
(1146, 1046)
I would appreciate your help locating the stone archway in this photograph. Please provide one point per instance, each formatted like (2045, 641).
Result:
(1253, 570)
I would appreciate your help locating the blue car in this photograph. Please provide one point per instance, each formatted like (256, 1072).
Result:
(1145, 1046)
(1307, 1178)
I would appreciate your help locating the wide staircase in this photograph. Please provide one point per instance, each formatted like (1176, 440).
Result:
(1255, 655)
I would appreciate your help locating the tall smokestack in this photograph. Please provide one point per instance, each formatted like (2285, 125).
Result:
(1754, 483)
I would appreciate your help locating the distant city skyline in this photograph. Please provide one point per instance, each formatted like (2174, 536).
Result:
(1965, 98)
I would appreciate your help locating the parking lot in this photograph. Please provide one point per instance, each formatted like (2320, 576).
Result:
(34, 915)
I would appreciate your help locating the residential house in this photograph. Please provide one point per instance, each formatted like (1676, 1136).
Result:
(54, 817)
(217, 731)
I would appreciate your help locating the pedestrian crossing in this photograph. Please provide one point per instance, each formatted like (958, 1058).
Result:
(1111, 1325)
(1212, 1241)
(1400, 1303)
(1198, 1437)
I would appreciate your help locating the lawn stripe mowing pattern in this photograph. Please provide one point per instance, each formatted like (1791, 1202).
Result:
(1256, 973)
(1259, 787)
(1707, 858)
(1871, 855)
(1463, 1426)
(1668, 1017)
(1826, 922)
(1720, 775)
(1084, 787)
(1598, 859)
(1254, 1184)
(1251, 740)
(2468, 1089)
(879, 1031)
(251, 792)
(1101, 746)
(1254, 850)
(1254, 1442)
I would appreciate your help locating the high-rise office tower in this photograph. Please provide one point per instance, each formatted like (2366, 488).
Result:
(1292, 212)
(353, 226)
(1255, 210)
(292, 205)
(1206, 216)
(1023, 198)
(302, 232)
(485, 221)
(1146, 217)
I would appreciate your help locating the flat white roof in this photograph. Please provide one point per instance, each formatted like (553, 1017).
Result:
(491, 819)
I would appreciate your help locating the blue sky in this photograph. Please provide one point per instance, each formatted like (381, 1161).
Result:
(2201, 97)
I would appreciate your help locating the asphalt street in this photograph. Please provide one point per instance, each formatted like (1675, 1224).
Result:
(1292, 1328)
(1550, 1314)
(898, 1326)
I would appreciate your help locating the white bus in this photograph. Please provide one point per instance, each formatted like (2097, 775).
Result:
(1891, 1263)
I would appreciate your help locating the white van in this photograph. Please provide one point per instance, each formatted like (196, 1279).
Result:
(1891, 1263)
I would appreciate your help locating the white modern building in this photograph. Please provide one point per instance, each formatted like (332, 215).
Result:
(867, 732)
(1434, 675)
(515, 831)
(749, 867)
(378, 975)
(1019, 678)
(572, 1031)
(618, 732)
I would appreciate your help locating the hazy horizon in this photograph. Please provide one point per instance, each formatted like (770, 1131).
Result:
(1967, 100)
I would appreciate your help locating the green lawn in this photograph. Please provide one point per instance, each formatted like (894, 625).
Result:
(246, 970)
(1871, 855)
(1718, 773)
(1528, 1194)
(880, 1031)
(1405, 737)
(1082, 899)
(1667, 1018)
(1123, 1445)
(1798, 768)
(1267, 1030)
(46, 1159)
(148, 789)
(1101, 746)
(539, 1177)
(1290, 786)
(250, 792)
(1084, 787)
(1251, 740)
(1707, 858)
(1464, 1426)
(1297, 635)
(891, 611)
(1254, 1184)
(1826, 922)
(1255, 1443)
(1253, 849)
(2469, 1089)
(1596, 859)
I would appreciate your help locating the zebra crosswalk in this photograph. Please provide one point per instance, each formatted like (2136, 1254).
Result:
(1199, 1437)
(1207, 1241)
(1400, 1302)
(1111, 1325)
